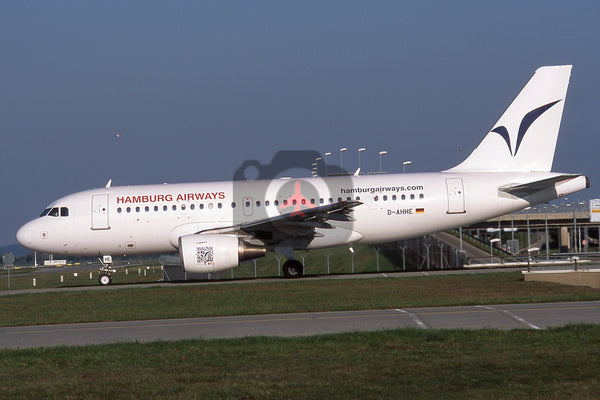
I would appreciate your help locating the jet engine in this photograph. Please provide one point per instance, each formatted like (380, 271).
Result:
(210, 253)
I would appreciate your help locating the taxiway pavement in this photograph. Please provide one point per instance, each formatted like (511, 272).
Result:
(528, 316)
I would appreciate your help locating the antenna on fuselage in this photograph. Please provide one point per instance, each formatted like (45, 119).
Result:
(108, 183)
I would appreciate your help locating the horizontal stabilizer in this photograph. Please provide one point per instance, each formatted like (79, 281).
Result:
(527, 189)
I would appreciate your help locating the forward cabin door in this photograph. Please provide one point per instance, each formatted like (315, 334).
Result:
(456, 196)
(100, 212)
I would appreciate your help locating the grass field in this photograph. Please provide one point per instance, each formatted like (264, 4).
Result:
(400, 364)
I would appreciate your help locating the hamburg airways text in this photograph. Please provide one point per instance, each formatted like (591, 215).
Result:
(380, 189)
(156, 198)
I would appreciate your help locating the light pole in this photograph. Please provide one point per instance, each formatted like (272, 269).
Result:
(528, 230)
(381, 153)
(360, 151)
(404, 164)
(547, 237)
(326, 154)
(341, 160)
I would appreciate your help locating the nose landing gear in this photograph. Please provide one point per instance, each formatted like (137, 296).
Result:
(105, 278)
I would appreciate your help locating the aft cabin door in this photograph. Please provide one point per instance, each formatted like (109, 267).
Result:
(456, 196)
(100, 211)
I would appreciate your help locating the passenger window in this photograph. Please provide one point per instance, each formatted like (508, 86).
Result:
(119, 210)
(267, 203)
(421, 196)
(376, 198)
(165, 208)
(155, 208)
(174, 207)
(393, 197)
(276, 202)
(128, 209)
(385, 197)
(192, 206)
(64, 212)
(146, 208)
(220, 205)
(210, 205)
(233, 205)
(412, 196)
(257, 203)
(137, 209)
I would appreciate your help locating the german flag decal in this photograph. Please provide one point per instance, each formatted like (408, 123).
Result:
(419, 211)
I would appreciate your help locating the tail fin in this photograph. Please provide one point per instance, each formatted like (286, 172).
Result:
(524, 138)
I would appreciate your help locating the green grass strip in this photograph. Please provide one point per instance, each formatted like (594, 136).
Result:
(556, 363)
(281, 297)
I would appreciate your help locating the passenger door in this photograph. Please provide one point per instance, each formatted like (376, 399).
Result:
(100, 212)
(456, 196)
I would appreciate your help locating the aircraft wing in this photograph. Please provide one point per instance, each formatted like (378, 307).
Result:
(298, 224)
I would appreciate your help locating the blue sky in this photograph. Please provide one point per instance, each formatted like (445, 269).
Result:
(196, 88)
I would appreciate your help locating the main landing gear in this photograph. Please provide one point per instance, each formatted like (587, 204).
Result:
(105, 270)
(292, 269)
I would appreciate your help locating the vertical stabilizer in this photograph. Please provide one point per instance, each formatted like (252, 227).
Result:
(524, 138)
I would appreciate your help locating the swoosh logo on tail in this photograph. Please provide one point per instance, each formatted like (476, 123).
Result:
(526, 122)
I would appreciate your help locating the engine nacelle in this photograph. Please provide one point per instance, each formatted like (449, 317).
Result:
(210, 253)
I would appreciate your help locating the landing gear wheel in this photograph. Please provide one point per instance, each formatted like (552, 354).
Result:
(292, 269)
(105, 279)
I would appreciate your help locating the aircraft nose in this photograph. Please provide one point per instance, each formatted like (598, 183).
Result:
(26, 235)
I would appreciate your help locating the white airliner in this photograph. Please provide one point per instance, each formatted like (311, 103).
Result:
(216, 225)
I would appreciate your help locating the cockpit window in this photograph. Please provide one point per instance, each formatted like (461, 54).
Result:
(55, 212)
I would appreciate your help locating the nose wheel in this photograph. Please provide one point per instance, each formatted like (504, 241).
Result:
(105, 279)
